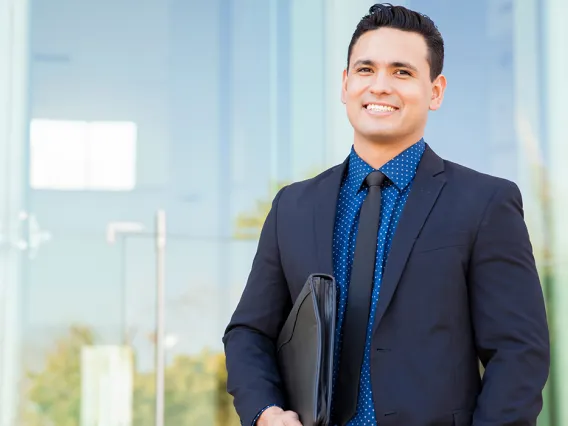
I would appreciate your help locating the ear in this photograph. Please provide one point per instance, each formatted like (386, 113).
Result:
(344, 87)
(438, 89)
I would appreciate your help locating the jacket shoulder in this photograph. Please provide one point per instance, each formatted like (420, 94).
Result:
(471, 179)
(305, 187)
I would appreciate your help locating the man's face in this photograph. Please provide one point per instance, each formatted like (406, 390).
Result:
(387, 89)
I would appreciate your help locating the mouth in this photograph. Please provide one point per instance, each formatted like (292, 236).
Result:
(380, 109)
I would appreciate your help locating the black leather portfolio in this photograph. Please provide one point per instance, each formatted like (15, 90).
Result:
(305, 351)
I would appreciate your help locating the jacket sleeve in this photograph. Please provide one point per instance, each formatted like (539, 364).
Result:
(249, 340)
(508, 314)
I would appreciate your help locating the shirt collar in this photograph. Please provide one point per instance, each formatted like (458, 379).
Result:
(400, 170)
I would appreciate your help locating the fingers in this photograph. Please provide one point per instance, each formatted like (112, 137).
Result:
(291, 419)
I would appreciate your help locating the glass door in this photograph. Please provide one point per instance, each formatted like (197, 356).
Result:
(198, 297)
(158, 137)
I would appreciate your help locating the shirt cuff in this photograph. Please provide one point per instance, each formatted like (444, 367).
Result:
(260, 413)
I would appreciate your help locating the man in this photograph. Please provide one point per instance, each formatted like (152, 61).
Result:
(451, 278)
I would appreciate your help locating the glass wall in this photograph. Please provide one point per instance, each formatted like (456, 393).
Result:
(122, 114)
(555, 186)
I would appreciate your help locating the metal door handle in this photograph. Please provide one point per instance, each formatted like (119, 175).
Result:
(29, 235)
(113, 230)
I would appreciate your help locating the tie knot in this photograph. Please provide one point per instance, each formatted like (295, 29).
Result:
(375, 178)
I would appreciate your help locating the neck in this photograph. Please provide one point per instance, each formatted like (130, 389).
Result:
(377, 154)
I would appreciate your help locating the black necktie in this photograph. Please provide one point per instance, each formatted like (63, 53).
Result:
(358, 302)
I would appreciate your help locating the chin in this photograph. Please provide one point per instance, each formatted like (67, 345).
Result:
(382, 135)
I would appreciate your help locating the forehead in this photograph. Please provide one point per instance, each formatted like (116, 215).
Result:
(386, 45)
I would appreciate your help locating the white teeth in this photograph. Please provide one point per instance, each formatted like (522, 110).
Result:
(380, 108)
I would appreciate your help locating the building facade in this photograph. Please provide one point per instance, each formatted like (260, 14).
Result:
(133, 133)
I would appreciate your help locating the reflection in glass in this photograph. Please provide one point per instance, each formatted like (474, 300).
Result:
(80, 155)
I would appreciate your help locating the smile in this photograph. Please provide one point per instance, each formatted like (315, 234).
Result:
(380, 108)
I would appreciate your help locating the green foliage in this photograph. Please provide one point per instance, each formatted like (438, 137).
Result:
(248, 224)
(54, 394)
(195, 393)
(195, 389)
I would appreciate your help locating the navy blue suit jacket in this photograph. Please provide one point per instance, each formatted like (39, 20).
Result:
(460, 285)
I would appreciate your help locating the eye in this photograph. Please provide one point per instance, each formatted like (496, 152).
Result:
(365, 70)
(402, 72)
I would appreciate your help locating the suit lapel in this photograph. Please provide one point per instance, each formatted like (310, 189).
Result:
(325, 207)
(428, 183)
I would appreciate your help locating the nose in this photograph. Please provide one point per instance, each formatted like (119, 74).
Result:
(381, 84)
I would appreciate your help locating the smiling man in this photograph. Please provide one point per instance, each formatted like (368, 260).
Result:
(433, 263)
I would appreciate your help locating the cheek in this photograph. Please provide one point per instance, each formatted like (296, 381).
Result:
(354, 92)
(413, 96)
(353, 99)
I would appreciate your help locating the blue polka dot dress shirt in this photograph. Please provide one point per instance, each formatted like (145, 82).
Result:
(400, 172)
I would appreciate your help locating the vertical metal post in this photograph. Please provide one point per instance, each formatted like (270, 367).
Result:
(14, 121)
(160, 317)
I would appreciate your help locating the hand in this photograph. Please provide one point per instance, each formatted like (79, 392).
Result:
(275, 416)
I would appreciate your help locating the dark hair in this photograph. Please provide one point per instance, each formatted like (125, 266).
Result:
(386, 15)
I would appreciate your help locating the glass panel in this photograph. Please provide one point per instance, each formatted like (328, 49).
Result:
(554, 193)
(74, 355)
(199, 298)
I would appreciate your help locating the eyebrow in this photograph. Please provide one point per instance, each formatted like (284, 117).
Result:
(397, 64)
